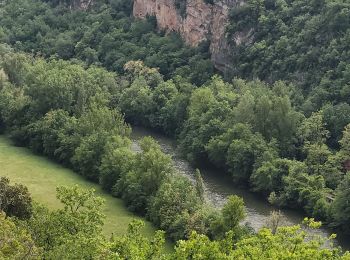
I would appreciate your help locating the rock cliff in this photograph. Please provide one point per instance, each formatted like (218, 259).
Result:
(199, 22)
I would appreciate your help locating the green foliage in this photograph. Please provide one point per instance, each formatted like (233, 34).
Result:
(65, 232)
(340, 206)
(136, 101)
(116, 161)
(83, 208)
(300, 188)
(15, 241)
(150, 169)
(268, 177)
(345, 143)
(176, 207)
(105, 34)
(303, 42)
(135, 246)
(200, 247)
(200, 188)
(336, 117)
(15, 200)
(13, 66)
(245, 152)
(286, 243)
(74, 232)
(232, 213)
(312, 130)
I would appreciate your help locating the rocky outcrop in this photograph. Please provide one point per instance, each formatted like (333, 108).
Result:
(201, 22)
(84, 4)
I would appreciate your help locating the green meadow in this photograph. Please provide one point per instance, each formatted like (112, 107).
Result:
(42, 176)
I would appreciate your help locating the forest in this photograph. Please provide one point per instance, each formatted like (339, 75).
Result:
(72, 82)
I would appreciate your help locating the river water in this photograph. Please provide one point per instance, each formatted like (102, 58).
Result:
(219, 185)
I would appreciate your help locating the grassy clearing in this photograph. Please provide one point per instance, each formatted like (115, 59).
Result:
(42, 176)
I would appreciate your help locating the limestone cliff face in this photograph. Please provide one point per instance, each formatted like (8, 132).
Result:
(200, 22)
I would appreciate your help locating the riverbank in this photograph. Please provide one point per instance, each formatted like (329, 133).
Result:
(42, 176)
(219, 186)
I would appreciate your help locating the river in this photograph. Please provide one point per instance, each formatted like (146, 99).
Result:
(219, 185)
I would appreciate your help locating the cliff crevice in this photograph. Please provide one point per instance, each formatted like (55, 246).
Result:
(201, 22)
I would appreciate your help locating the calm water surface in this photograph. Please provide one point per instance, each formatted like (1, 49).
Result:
(219, 185)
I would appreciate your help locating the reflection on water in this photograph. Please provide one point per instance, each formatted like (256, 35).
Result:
(218, 186)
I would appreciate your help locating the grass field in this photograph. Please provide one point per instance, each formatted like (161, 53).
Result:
(42, 176)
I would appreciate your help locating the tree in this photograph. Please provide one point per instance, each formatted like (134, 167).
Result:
(52, 126)
(88, 155)
(175, 202)
(246, 152)
(232, 213)
(344, 152)
(302, 189)
(79, 223)
(82, 247)
(205, 116)
(137, 102)
(150, 170)
(274, 221)
(291, 241)
(82, 210)
(137, 69)
(15, 241)
(14, 112)
(200, 185)
(340, 207)
(336, 118)
(268, 177)
(313, 130)
(201, 247)
(14, 65)
(15, 200)
(317, 157)
(94, 130)
(116, 161)
(134, 245)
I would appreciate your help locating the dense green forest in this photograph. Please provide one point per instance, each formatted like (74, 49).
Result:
(106, 35)
(304, 42)
(282, 130)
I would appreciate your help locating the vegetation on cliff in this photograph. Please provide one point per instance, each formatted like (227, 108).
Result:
(304, 42)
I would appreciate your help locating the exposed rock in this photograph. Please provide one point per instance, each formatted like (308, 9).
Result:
(201, 22)
(85, 4)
